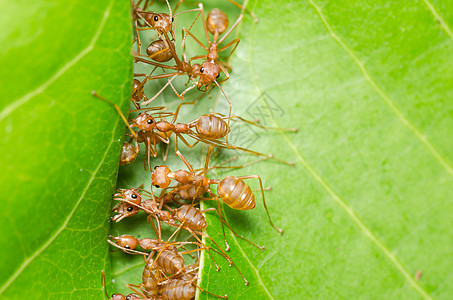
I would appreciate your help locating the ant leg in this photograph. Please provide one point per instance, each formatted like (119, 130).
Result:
(220, 166)
(238, 20)
(185, 161)
(186, 90)
(221, 144)
(209, 293)
(136, 289)
(208, 249)
(206, 164)
(178, 108)
(178, 135)
(264, 201)
(184, 30)
(247, 10)
(159, 92)
(222, 253)
(104, 283)
(118, 110)
(140, 59)
(256, 124)
(178, 4)
(164, 154)
(191, 25)
(139, 43)
(235, 41)
(198, 57)
(223, 220)
(231, 107)
(200, 6)
(150, 152)
(219, 212)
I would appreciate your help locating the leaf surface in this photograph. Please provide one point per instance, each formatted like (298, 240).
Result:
(60, 145)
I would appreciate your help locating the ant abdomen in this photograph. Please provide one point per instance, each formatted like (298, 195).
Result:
(128, 154)
(217, 20)
(151, 277)
(178, 289)
(191, 216)
(236, 193)
(137, 91)
(159, 51)
(171, 261)
(212, 127)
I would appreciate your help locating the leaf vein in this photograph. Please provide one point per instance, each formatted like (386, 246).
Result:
(24, 99)
(393, 107)
(257, 272)
(436, 15)
(368, 233)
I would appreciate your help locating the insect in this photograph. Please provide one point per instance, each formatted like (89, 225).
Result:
(162, 23)
(209, 129)
(233, 191)
(207, 72)
(189, 217)
(216, 23)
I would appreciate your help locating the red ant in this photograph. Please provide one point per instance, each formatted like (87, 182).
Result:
(233, 191)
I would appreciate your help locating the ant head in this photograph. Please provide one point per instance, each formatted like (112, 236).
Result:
(161, 22)
(217, 20)
(160, 178)
(124, 210)
(144, 122)
(128, 154)
(117, 297)
(126, 241)
(208, 73)
(132, 195)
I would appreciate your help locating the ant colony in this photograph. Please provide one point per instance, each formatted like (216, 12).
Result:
(171, 203)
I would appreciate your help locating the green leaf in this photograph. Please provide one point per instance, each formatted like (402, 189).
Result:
(368, 204)
(60, 145)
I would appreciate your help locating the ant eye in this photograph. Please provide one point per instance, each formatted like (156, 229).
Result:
(127, 247)
(157, 186)
(218, 75)
(156, 18)
(134, 196)
(172, 19)
(150, 121)
(130, 208)
(128, 298)
(156, 167)
(201, 70)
